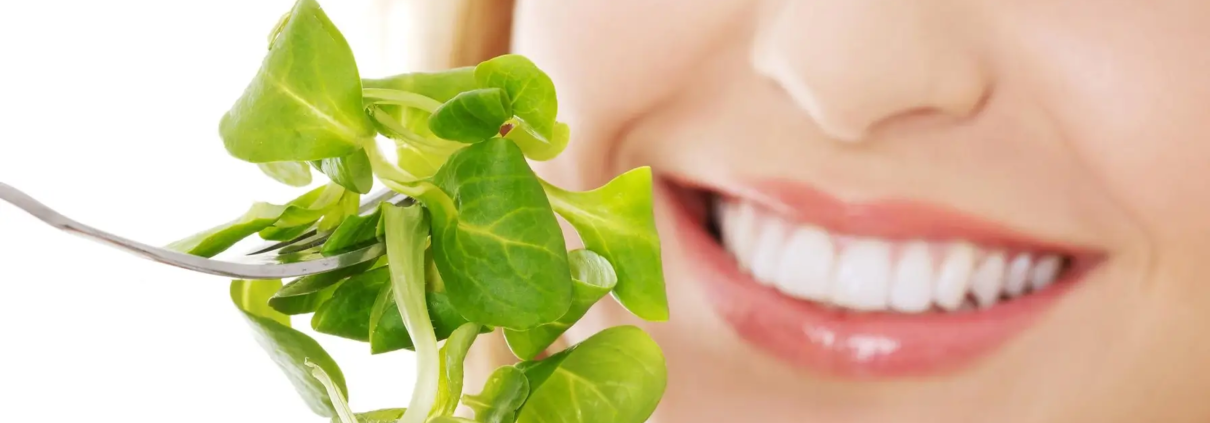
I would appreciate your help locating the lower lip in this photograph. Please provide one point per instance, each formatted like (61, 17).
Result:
(849, 344)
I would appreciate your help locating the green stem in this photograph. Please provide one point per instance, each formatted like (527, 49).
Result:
(439, 203)
(406, 232)
(400, 97)
(383, 168)
(343, 412)
(397, 131)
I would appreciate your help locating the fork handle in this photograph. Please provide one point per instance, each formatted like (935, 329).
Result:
(184, 260)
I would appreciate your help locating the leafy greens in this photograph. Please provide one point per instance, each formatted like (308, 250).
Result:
(477, 247)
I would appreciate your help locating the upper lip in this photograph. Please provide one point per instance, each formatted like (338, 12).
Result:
(891, 219)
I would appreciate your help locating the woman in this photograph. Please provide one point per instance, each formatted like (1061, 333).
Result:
(908, 211)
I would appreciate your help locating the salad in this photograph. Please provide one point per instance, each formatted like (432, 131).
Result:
(475, 247)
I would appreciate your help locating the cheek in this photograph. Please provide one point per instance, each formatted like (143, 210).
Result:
(613, 61)
(1131, 96)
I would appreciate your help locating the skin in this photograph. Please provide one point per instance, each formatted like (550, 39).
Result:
(1077, 121)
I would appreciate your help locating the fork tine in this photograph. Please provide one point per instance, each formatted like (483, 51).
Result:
(231, 269)
(312, 235)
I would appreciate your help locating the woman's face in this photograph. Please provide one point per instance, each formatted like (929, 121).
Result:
(906, 211)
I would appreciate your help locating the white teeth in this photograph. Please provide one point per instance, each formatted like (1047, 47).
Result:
(806, 269)
(912, 284)
(1018, 275)
(742, 225)
(768, 249)
(988, 281)
(1045, 272)
(953, 281)
(863, 276)
(871, 274)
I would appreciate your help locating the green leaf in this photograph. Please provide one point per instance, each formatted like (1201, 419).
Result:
(348, 205)
(305, 294)
(289, 348)
(352, 172)
(593, 278)
(305, 102)
(439, 86)
(418, 156)
(617, 222)
(347, 313)
(251, 297)
(472, 116)
(302, 212)
(355, 232)
(615, 376)
(499, 249)
(213, 241)
(535, 146)
(531, 91)
(453, 353)
(386, 415)
(505, 391)
(295, 174)
(390, 334)
(450, 419)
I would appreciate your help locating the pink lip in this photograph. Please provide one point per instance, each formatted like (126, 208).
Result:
(850, 344)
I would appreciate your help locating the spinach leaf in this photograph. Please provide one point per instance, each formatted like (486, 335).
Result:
(496, 242)
(617, 222)
(505, 391)
(352, 172)
(615, 376)
(386, 415)
(592, 278)
(355, 232)
(530, 91)
(305, 294)
(472, 116)
(305, 102)
(294, 174)
(289, 348)
(213, 241)
(453, 353)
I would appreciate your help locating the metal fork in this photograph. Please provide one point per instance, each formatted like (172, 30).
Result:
(276, 260)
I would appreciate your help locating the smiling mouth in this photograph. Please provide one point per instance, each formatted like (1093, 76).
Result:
(875, 289)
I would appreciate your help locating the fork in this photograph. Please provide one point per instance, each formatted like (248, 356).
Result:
(275, 260)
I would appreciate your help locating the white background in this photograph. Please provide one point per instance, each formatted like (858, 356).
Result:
(109, 113)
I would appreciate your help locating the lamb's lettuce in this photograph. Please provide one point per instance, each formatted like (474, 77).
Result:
(305, 103)
(617, 222)
(505, 391)
(476, 248)
(615, 376)
(290, 349)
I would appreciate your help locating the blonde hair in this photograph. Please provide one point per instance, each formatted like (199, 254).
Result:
(456, 33)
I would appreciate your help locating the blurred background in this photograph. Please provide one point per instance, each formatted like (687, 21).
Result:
(109, 113)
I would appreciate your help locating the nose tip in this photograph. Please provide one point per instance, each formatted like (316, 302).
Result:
(852, 65)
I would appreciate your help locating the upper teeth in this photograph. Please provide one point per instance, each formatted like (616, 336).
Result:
(872, 274)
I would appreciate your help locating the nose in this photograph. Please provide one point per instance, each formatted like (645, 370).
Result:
(854, 64)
